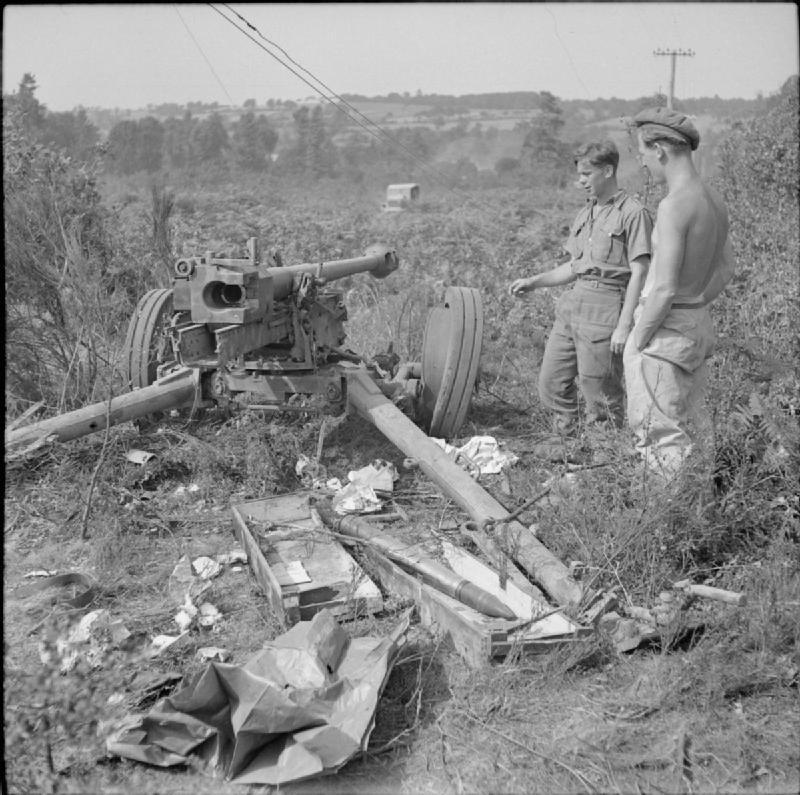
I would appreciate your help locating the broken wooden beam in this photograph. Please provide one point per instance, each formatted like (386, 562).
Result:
(710, 592)
(176, 390)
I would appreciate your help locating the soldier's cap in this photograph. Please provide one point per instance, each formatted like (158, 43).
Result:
(672, 120)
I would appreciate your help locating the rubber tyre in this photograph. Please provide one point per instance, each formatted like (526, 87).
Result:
(451, 351)
(146, 336)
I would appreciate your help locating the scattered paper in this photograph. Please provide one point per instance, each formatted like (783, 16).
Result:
(182, 491)
(356, 498)
(359, 496)
(301, 707)
(208, 615)
(186, 615)
(234, 556)
(140, 457)
(292, 573)
(91, 638)
(161, 643)
(214, 653)
(310, 472)
(380, 475)
(206, 568)
(481, 454)
(183, 583)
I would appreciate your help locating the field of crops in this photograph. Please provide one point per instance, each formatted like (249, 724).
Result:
(718, 713)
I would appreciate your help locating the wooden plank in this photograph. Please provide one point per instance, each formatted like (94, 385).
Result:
(269, 585)
(502, 648)
(474, 570)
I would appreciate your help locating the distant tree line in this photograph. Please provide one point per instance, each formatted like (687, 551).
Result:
(320, 141)
(590, 108)
(188, 143)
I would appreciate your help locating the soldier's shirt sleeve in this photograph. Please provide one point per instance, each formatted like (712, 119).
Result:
(639, 232)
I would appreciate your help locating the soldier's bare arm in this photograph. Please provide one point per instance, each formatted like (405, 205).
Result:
(555, 277)
(639, 268)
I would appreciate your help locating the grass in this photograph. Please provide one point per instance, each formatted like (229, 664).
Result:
(717, 714)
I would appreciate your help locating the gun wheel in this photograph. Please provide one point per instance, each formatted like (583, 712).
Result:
(147, 342)
(451, 350)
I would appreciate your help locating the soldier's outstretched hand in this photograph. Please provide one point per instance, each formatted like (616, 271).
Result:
(520, 286)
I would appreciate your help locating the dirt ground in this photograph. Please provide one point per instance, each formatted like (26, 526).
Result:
(714, 713)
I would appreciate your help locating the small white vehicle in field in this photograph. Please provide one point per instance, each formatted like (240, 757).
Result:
(399, 196)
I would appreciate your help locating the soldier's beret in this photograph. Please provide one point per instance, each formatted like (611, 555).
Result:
(677, 122)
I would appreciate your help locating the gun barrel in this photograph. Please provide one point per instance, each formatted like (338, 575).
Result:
(378, 260)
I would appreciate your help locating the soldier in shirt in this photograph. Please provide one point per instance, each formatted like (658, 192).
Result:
(609, 250)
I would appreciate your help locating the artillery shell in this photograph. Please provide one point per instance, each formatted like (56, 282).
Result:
(482, 601)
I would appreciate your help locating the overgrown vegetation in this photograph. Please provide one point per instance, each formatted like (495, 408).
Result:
(715, 714)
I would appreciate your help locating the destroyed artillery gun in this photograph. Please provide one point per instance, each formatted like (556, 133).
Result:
(237, 331)
(232, 331)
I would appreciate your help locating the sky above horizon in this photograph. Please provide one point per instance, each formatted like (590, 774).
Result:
(130, 56)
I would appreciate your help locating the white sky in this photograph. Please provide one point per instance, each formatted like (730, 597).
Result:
(128, 56)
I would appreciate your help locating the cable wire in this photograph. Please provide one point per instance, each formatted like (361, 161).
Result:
(386, 136)
(222, 86)
(341, 99)
(566, 50)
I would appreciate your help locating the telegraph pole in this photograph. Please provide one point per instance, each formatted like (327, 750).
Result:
(673, 53)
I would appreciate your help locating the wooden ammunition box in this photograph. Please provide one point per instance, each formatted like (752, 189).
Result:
(299, 564)
(277, 531)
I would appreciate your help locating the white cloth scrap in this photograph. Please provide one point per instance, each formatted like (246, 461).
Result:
(481, 451)
(359, 496)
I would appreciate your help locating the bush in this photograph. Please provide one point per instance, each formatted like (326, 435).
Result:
(57, 257)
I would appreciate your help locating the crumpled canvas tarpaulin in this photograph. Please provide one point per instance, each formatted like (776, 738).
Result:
(301, 707)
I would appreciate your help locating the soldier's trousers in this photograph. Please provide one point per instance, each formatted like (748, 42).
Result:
(666, 385)
(578, 354)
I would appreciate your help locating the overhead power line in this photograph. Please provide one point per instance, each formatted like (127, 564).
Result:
(382, 135)
(197, 44)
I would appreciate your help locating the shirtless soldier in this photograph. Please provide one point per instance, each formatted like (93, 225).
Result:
(665, 355)
(609, 251)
